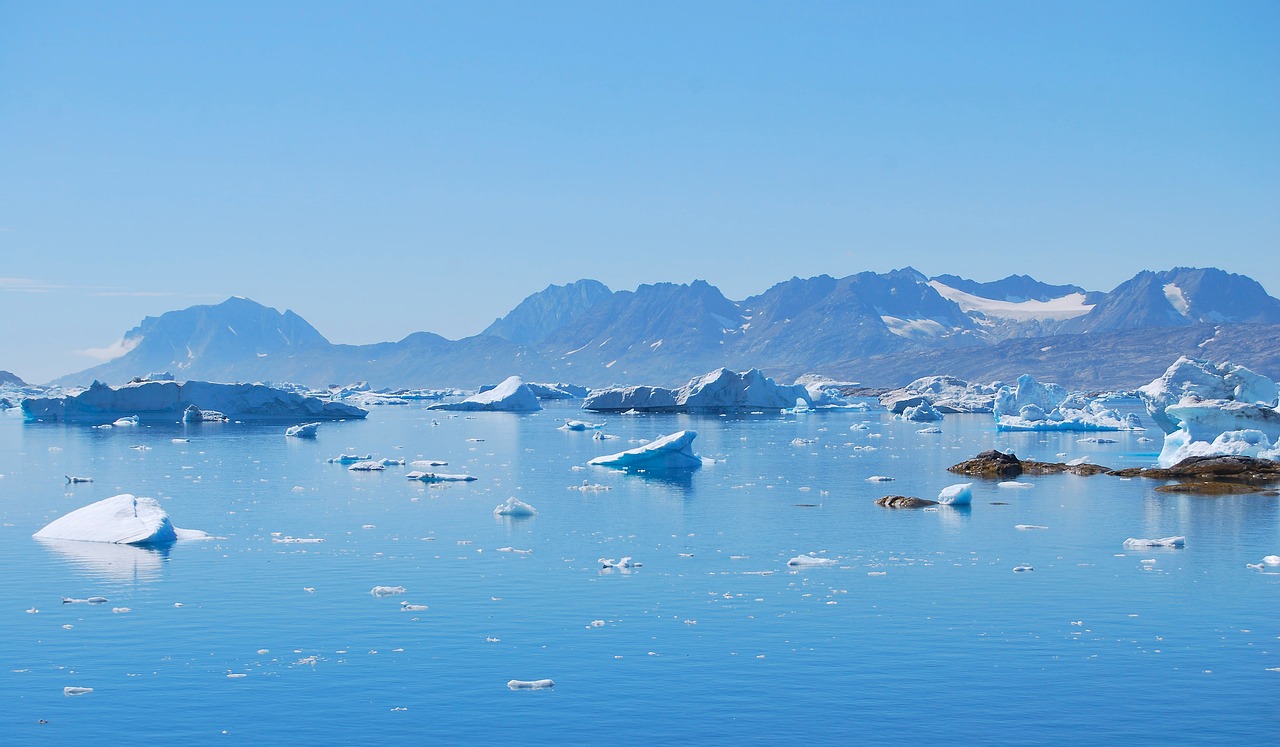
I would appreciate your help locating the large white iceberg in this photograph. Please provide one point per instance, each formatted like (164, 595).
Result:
(947, 394)
(512, 395)
(169, 401)
(721, 390)
(674, 451)
(122, 520)
(1033, 406)
(1207, 409)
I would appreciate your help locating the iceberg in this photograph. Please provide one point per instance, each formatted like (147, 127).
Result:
(349, 459)
(582, 425)
(369, 465)
(1033, 406)
(947, 394)
(960, 494)
(512, 395)
(169, 400)
(721, 390)
(516, 508)
(1134, 543)
(306, 430)
(121, 519)
(530, 684)
(810, 560)
(921, 413)
(1207, 409)
(438, 477)
(673, 451)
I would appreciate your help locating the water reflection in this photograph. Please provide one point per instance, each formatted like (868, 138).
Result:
(111, 561)
(680, 479)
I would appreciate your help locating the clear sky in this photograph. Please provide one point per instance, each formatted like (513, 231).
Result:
(382, 168)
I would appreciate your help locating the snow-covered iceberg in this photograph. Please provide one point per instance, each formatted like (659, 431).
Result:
(721, 390)
(515, 508)
(1208, 409)
(960, 494)
(305, 430)
(674, 451)
(169, 401)
(122, 520)
(947, 394)
(1033, 406)
(921, 413)
(512, 395)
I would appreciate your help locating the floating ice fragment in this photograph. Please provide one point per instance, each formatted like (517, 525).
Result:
(1272, 560)
(368, 465)
(960, 494)
(623, 563)
(810, 560)
(120, 610)
(72, 480)
(1022, 568)
(1029, 526)
(305, 430)
(90, 600)
(587, 487)
(297, 540)
(514, 507)
(407, 607)
(180, 440)
(439, 477)
(673, 451)
(530, 684)
(597, 623)
(125, 422)
(349, 459)
(1133, 543)
(76, 690)
(426, 463)
(581, 425)
(386, 591)
(235, 675)
(1015, 484)
(930, 430)
(880, 478)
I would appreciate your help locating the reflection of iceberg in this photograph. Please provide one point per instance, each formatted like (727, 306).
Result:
(111, 561)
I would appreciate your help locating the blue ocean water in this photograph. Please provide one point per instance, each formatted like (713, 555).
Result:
(921, 631)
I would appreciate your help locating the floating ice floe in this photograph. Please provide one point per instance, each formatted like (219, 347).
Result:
(439, 477)
(72, 479)
(306, 430)
(581, 425)
(810, 560)
(1207, 409)
(622, 563)
(530, 684)
(127, 421)
(386, 591)
(121, 519)
(674, 451)
(1033, 406)
(512, 395)
(881, 478)
(721, 390)
(1026, 527)
(960, 494)
(407, 607)
(368, 465)
(1271, 560)
(514, 507)
(921, 413)
(76, 690)
(1022, 568)
(89, 600)
(426, 463)
(297, 540)
(1015, 484)
(349, 459)
(930, 430)
(1135, 543)
(587, 487)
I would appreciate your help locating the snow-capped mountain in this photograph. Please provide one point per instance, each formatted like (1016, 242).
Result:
(877, 328)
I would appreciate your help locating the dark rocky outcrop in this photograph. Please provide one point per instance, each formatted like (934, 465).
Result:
(1220, 468)
(991, 464)
(904, 501)
(1205, 487)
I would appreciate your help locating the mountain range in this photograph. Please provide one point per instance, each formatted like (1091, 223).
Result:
(883, 329)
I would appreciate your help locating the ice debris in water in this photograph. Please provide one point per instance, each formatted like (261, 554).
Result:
(960, 494)
(368, 465)
(810, 559)
(305, 430)
(581, 425)
(1133, 542)
(514, 507)
(297, 540)
(1272, 560)
(1022, 568)
(1014, 484)
(426, 463)
(349, 458)
(71, 479)
(1029, 526)
(930, 430)
(530, 684)
(880, 478)
(587, 487)
(624, 562)
(386, 591)
(76, 690)
(439, 477)
(90, 600)
(407, 607)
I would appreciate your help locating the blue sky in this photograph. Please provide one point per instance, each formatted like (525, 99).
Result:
(385, 168)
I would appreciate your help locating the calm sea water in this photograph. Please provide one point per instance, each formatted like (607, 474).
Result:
(922, 631)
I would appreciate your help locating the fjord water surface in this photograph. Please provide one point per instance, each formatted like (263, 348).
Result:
(920, 631)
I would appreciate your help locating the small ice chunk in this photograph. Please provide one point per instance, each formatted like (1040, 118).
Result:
(1015, 484)
(810, 560)
(427, 463)
(1029, 526)
(1022, 568)
(1133, 542)
(90, 600)
(624, 562)
(349, 458)
(1272, 560)
(930, 430)
(76, 690)
(880, 478)
(530, 684)
(407, 607)
(386, 591)
(960, 494)
(438, 477)
(368, 465)
(297, 540)
(72, 479)
(305, 430)
(587, 487)
(514, 507)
